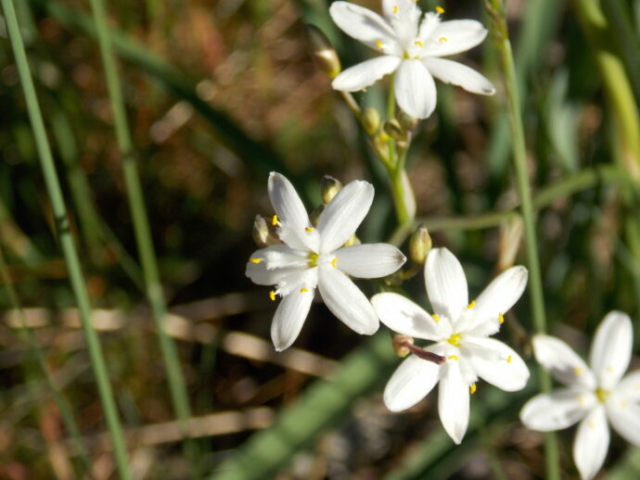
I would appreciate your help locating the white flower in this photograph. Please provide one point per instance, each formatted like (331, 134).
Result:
(460, 329)
(411, 47)
(312, 257)
(594, 396)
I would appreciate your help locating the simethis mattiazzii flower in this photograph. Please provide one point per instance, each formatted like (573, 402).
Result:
(411, 45)
(595, 396)
(313, 257)
(461, 330)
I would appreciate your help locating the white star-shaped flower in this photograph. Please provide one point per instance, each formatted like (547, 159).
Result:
(593, 396)
(313, 257)
(460, 329)
(411, 45)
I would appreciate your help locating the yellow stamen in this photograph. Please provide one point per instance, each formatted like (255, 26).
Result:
(436, 317)
(304, 290)
(334, 262)
(313, 259)
(440, 10)
(509, 358)
(453, 357)
(582, 400)
(443, 40)
(602, 394)
(395, 9)
(379, 44)
(578, 371)
(419, 43)
(501, 318)
(309, 229)
(272, 295)
(454, 339)
(255, 260)
(472, 388)
(471, 305)
(274, 220)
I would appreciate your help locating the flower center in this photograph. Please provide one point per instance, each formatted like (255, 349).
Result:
(602, 394)
(313, 259)
(455, 339)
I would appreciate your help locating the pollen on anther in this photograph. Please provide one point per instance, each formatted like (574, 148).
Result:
(379, 44)
(509, 358)
(309, 229)
(453, 357)
(274, 220)
(578, 371)
(272, 295)
(501, 318)
(436, 317)
(471, 305)
(582, 400)
(440, 10)
(334, 262)
(443, 40)
(419, 43)
(255, 260)
(304, 290)
(472, 388)
(396, 8)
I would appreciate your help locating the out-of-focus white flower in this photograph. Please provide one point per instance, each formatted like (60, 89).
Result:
(593, 396)
(460, 329)
(411, 45)
(313, 257)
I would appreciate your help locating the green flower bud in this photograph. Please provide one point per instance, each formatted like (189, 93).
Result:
(329, 187)
(370, 120)
(322, 52)
(419, 245)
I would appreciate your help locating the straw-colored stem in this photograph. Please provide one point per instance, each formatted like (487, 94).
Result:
(66, 242)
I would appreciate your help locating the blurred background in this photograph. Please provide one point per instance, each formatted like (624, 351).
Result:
(219, 93)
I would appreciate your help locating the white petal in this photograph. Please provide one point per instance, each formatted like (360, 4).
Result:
(410, 383)
(557, 410)
(496, 299)
(428, 25)
(295, 228)
(289, 318)
(446, 284)
(261, 272)
(365, 74)
(453, 401)
(591, 443)
(403, 316)
(458, 74)
(629, 387)
(343, 215)
(611, 349)
(347, 302)
(372, 260)
(455, 36)
(497, 363)
(415, 89)
(625, 419)
(562, 362)
(404, 17)
(364, 25)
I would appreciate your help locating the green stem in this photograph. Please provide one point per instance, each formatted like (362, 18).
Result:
(66, 242)
(142, 230)
(496, 10)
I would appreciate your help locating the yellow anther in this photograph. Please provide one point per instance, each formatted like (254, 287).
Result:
(509, 358)
(334, 262)
(440, 10)
(419, 43)
(255, 260)
(436, 317)
(602, 394)
(379, 44)
(304, 290)
(453, 357)
(309, 229)
(578, 371)
(471, 305)
(313, 259)
(443, 40)
(501, 318)
(454, 339)
(272, 295)
(472, 388)
(582, 400)
(395, 9)
(274, 220)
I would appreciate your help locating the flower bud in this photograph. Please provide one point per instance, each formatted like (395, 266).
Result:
(370, 120)
(323, 52)
(393, 129)
(407, 122)
(314, 216)
(401, 345)
(264, 233)
(419, 245)
(329, 187)
(509, 242)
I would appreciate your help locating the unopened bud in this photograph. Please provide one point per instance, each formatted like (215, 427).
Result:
(509, 242)
(323, 52)
(353, 240)
(401, 345)
(264, 233)
(407, 122)
(370, 120)
(393, 129)
(419, 245)
(329, 188)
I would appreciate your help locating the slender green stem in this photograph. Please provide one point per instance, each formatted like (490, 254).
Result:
(142, 230)
(496, 10)
(66, 242)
